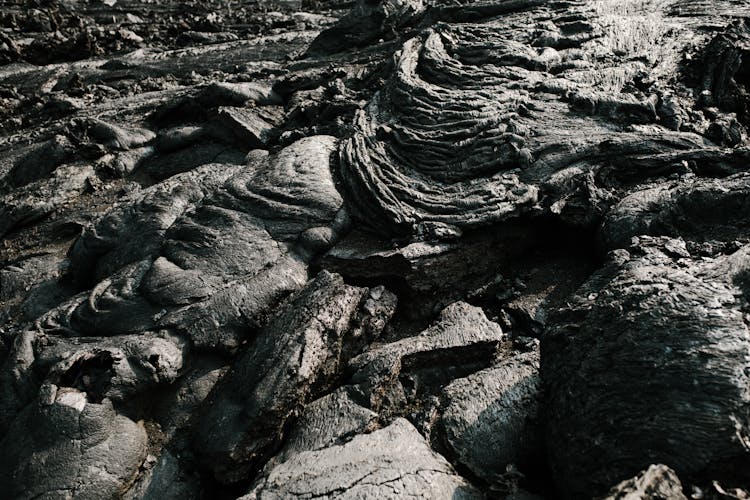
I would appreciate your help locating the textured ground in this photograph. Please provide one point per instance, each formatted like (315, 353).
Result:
(382, 249)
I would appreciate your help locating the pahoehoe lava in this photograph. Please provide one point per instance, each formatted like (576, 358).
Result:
(375, 249)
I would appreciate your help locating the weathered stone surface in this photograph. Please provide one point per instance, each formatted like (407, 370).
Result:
(117, 137)
(648, 365)
(122, 368)
(17, 279)
(41, 161)
(247, 127)
(462, 340)
(395, 462)
(697, 209)
(233, 242)
(38, 199)
(65, 445)
(491, 417)
(134, 229)
(325, 422)
(175, 407)
(452, 140)
(164, 480)
(657, 482)
(298, 355)
(366, 23)
(172, 174)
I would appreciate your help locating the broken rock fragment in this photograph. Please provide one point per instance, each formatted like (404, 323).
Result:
(490, 418)
(460, 342)
(394, 462)
(462, 339)
(294, 359)
(648, 364)
(657, 482)
(327, 421)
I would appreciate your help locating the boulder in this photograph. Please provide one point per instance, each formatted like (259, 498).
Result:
(394, 462)
(295, 359)
(491, 419)
(647, 364)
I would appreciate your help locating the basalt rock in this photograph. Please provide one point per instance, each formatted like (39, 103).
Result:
(699, 210)
(210, 251)
(295, 358)
(491, 421)
(331, 420)
(648, 365)
(469, 128)
(725, 70)
(207, 212)
(395, 377)
(134, 229)
(122, 369)
(658, 481)
(65, 445)
(389, 463)
(366, 23)
(36, 200)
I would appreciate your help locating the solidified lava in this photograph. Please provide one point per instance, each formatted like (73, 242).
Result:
(375, 249)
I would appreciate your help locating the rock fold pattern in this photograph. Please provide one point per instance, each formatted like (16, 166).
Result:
(380, 249)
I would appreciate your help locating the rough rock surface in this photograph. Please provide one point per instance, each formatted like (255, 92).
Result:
(395, 377)
(329, 420)
(296, 357)
(658, 482)
(311, 248)
(648, 364)
(490, 420)
(394, 462)
(65, 445)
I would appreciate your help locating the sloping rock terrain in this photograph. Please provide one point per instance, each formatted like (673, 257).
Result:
(375, 249)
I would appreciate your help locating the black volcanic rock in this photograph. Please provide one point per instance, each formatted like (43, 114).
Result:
(648, 365)
(296, 357)
(491, 421)
(311, 248)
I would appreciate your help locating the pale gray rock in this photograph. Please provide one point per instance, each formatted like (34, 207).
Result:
(658, 482)
(394, 462)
